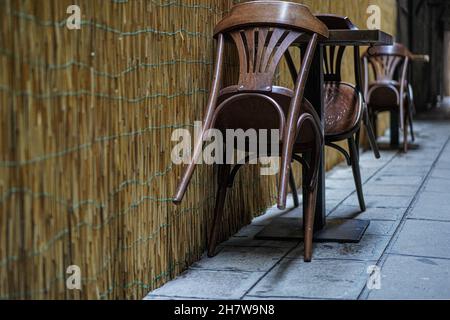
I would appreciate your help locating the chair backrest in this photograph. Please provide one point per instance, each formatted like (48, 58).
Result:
(385, 61)
(262, 32)
(333, 54)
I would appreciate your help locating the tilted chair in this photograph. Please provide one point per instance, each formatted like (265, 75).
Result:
(262, 32)
(390, 90)
(345, 110)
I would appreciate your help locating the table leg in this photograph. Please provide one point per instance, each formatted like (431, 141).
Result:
(395, 140)
(314, 93)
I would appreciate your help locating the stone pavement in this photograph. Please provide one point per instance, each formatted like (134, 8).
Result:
(407, 197)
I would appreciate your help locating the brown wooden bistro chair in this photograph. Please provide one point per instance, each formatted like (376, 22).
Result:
(345, 110)
(410, 93)
(390, 90)
(262, 32)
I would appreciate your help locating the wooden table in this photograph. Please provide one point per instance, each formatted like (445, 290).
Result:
(333, 230)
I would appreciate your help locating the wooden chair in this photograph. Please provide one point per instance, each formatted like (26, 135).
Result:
(410, 94)
(262, 32)
(390, 90)
(345, 110)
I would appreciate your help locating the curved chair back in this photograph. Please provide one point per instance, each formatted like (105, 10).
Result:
(385, 60)
(333, 54)
(262, 32)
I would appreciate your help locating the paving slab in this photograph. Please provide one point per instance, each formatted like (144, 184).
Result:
(332, 204)
(374, 201)
(441, 173)
(249, 231)
(395, 180)
(404, 277)
(272, 213)
(412, 162)
(431, 206)
(370, 247)
(443, 162)
(424, 238)
(382, 228)
(348, 184)
(242, 259)
(399, 170)
(252, 242)
(378, 190)
(327, 279)
(341, 173)
(438, 185)
(354, 212)
(338, 194)
(205, 284)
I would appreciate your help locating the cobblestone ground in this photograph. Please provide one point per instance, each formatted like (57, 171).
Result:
(408, 240)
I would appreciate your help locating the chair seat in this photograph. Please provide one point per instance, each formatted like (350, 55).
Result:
(384, 95)
(343, 109)
(258, 114)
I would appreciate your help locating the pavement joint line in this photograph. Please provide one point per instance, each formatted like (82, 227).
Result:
(268, 271)
(364, 294)
(428, 219)
(416, 256)
(224, 270)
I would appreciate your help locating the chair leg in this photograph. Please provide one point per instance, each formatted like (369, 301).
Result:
(405, 136)
(411, 125)
(293, 188)
(356, 172)
(357, 140)
(305, 173)
(374, 125)
(224, 171)
(308, 224)
(371, 135)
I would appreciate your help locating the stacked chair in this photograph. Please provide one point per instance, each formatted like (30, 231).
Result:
(262, 32)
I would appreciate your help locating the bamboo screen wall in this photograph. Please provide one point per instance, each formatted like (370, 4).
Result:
(86, 119)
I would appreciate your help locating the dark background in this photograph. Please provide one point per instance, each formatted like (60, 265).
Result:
(421, 25)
